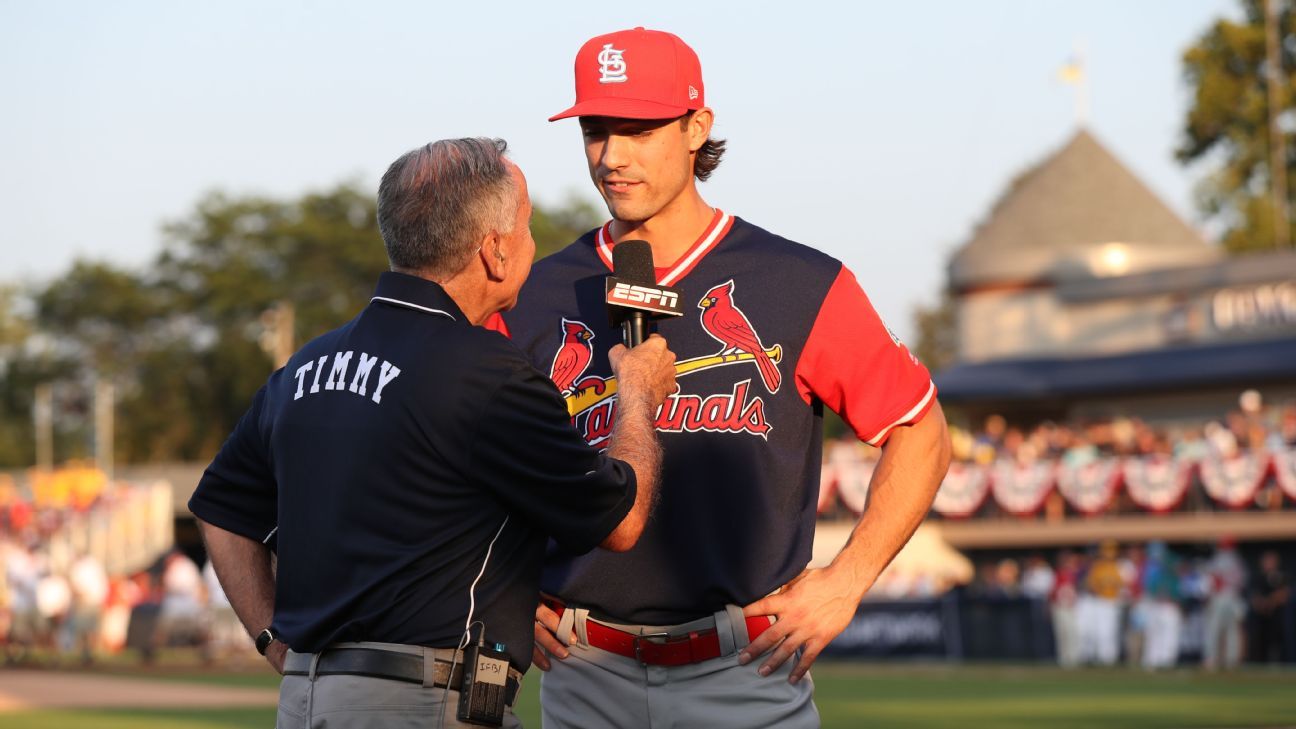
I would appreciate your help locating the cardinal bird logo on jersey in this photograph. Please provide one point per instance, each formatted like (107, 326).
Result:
(726, 323)
(573, 357)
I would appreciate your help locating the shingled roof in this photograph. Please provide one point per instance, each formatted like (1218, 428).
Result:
(1057, 215)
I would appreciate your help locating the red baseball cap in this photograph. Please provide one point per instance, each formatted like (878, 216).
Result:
(636, 74)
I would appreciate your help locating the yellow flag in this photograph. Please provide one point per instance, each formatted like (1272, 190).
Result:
(1072, 72)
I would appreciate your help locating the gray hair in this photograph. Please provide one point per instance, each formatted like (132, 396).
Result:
(436, 203)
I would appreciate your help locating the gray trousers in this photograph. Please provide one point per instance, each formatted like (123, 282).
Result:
(361, 702)
(595, 689)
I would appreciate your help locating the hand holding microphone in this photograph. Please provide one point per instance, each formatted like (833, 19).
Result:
(645, 374)
(647, 370)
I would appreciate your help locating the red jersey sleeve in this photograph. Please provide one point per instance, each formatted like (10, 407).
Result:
(495, 323)
(857, 367)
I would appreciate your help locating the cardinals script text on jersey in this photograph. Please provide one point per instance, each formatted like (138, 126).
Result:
(592, 400)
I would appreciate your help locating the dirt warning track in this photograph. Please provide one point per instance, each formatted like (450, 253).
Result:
(25, 690)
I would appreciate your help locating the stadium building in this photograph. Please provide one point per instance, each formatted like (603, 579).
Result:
(1097, 395)
(1083, 298)
(1082, 295)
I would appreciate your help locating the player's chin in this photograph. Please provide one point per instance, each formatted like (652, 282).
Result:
(628, 211)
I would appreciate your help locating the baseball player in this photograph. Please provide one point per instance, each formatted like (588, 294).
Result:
(713, 619)
(409, 466)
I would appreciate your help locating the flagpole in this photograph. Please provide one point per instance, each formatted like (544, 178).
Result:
(1082, 88)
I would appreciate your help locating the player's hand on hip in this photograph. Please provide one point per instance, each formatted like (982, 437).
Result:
(812, 609)
(646, 372)
(275, 654)
(546, 638)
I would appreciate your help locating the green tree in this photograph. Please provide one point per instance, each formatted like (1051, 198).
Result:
(181, 338)
(17, 440)
(1228, 123)
(937, 327)
(555, 227)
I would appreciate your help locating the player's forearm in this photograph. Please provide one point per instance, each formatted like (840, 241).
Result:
(634, 440)
(914, 461)
(244, 569)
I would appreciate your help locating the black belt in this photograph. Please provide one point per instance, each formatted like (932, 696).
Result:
(393, 665)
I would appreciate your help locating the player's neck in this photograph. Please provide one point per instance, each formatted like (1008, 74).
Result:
(672, 231)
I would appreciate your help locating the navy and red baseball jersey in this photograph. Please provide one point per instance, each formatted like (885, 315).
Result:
(773, 332)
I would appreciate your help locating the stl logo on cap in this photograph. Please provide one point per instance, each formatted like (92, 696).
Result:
(612, 66)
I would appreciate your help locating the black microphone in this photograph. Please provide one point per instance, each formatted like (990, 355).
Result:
(633, 294)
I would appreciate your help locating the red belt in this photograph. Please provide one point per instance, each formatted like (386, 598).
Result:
(660, 649)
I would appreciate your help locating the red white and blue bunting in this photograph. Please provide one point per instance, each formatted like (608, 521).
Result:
(1089, 488)
(1284, 465)
(1233, 482)
(1020, 489)
(827, 488)
(963, 491)
(1157, 483)
(846, 476)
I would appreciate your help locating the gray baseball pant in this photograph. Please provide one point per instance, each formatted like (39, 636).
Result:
(362, 702)
(596, 689)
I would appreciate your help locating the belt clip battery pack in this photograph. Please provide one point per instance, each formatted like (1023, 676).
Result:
(485, 683)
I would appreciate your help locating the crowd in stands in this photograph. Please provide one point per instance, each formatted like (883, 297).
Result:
(1148, 604)
(1253, 426)
(50, 499)
(1137, 603)
(83, 611)
(58, 595)
(1243, 460)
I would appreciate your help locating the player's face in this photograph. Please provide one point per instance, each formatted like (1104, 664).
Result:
(638, 166)
(518, 247)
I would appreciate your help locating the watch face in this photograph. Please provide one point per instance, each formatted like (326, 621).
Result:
(263, 641)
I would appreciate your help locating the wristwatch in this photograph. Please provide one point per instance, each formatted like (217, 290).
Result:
(264, 639)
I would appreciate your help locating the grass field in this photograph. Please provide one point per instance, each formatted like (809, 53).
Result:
(906, 697)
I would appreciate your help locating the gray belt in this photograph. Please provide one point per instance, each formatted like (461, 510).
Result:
(392, 665)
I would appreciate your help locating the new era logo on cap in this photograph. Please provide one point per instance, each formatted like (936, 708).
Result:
(636, 74)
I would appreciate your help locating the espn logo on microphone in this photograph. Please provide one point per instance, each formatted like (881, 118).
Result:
(655, 299)
(627, 294)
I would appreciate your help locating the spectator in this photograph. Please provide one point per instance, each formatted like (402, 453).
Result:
(1007, 578)
(992, 436)
(1098, 610)
(89, 583)
(1224, 608)
(123, 595)
(53, 601)
(1062, 601)
(1285, 434)
(1037, 580)
(1133, 567)
(180, 616)
(22, 577)
(1164, 619)
(1269, 594)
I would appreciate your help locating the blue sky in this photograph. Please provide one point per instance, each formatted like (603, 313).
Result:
(878, 132)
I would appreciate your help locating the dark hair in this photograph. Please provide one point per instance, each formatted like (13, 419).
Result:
(708, 156)
(436, 202)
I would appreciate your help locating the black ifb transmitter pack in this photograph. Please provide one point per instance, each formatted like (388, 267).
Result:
(485, 684)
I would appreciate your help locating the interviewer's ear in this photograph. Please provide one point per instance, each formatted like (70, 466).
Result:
(492, 256)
